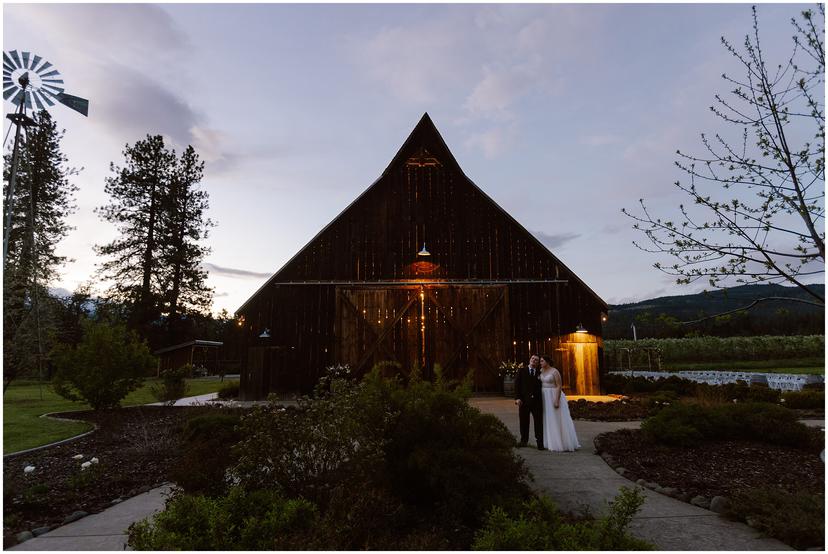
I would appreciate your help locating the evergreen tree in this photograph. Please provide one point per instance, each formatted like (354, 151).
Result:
(43, 199)
(137, 192)
(186, 224)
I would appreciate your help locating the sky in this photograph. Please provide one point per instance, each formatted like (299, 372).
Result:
(564, 114)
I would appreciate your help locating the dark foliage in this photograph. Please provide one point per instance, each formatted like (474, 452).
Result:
(173, 385)
(797, 519)
(229, 390)
(207, 453)
(692, 424)
(804, 400)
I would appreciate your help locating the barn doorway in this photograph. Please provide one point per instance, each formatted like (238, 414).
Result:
(459, 327)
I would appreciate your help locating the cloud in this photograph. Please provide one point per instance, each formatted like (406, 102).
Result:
(235, 273)
(493, 142)
(555, 241)
(600, 140)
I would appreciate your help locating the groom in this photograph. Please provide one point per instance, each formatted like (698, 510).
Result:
(529, 400)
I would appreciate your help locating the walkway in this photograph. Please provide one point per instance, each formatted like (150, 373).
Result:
(582, 480)
(102, 531)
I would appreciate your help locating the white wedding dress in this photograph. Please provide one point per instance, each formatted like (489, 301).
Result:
(558, 428)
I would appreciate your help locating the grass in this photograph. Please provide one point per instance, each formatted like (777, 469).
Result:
(811, 366)
(22, 407)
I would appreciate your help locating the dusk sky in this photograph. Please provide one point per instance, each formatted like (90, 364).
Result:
(563, 114)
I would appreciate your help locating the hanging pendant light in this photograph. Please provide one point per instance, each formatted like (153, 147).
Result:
(424, 252)
(581, 329)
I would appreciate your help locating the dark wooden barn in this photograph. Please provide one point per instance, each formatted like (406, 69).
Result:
(422, 268)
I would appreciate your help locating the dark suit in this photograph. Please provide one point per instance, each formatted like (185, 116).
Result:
(528, 391)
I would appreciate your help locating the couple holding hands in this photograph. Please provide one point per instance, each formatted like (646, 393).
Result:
(538, 392)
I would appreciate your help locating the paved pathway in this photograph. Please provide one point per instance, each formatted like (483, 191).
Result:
(581, 479)
(102, 531)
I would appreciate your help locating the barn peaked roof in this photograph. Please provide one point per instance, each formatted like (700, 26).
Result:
(425, 132)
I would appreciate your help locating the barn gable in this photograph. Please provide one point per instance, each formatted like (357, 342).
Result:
(385, 250)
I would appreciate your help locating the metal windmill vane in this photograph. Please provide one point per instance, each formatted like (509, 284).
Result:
(30, 79)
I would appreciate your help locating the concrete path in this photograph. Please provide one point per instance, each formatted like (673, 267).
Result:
(102, 531)
(582, 480)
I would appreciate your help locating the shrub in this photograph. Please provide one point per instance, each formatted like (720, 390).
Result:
(107, 364)
(691, 424)
(797, 519)
(804, 400)
(539, 526)
(229, 390)
(242, 520)
(206, 453)
(173, 385)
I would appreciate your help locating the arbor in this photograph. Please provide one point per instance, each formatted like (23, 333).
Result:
(43, 199)
(155, 265)
(770, 230)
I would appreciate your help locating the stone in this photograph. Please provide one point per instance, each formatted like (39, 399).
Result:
(684, 497)
(621, 470)
(41, 530)
(641, 482)
(650, 485)
(701, 502)
(24, 536)
(669, 491)
(751, 522)
(74, 516)
(719, 504)
(117, 501)
(144, 489)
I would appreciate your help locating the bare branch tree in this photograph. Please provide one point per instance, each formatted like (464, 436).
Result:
(772, 228)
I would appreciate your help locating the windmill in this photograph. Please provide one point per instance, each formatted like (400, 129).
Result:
(30, 82)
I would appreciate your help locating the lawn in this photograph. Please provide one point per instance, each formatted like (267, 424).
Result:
(22, 407)
(811, 366)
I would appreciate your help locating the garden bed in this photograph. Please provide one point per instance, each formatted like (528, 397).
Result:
(625, 409)
(136, 449)
(716, 468)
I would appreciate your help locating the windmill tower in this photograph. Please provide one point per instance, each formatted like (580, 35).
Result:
(30, 82)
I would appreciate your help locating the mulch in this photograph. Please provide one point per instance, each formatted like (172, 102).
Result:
(136, 448)
(718, 468)
(626, 409)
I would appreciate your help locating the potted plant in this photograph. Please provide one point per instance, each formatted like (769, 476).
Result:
(508, 370)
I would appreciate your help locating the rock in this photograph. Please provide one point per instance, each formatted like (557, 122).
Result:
(701, 502)
(621, 470)
(719, 504)
(651, 485)
(659, 489)
(24, 536)
(669, 491)
(117, 501)
(684, 497)
(641, 482)
(41, 530)
(751, 522)
(144, 489)
(74, 516)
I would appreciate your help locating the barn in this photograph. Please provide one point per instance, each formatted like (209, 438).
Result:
(423, 268)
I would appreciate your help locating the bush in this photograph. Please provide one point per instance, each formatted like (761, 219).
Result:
(107, 364)
(804, 400)
(797, 519)
(229, 390)
(690, 424)
(173, 385)
(539, 526)
(206, 453)
(242, 520)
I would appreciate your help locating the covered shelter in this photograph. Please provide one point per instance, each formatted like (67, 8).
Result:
(201, 354)
(423, 268)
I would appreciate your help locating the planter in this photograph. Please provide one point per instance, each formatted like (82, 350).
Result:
(508, 385)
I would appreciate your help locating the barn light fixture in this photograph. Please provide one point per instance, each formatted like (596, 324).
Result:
(265, 334)
(424, 252)
(581, 329)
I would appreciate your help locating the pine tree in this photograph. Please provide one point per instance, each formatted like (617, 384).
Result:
(137, 191)
(186, 224)
(43, 199)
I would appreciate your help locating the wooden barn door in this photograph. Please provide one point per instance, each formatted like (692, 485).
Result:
(461, 328)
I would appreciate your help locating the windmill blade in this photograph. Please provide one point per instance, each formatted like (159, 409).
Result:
(28, 96)
(45, 98)
(26, 60)
(7, 93)
(35, 61)
(80, 105)
(16, 59)
(53, 81)
(37, 101)
(8, 61)
(46, 66)
(50, 74)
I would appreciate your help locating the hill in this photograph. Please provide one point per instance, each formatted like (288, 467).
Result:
(661, 317)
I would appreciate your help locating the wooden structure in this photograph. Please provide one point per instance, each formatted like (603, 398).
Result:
(201, 354)
(422, 268)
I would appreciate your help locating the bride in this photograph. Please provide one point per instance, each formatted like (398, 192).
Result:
(558, 428)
